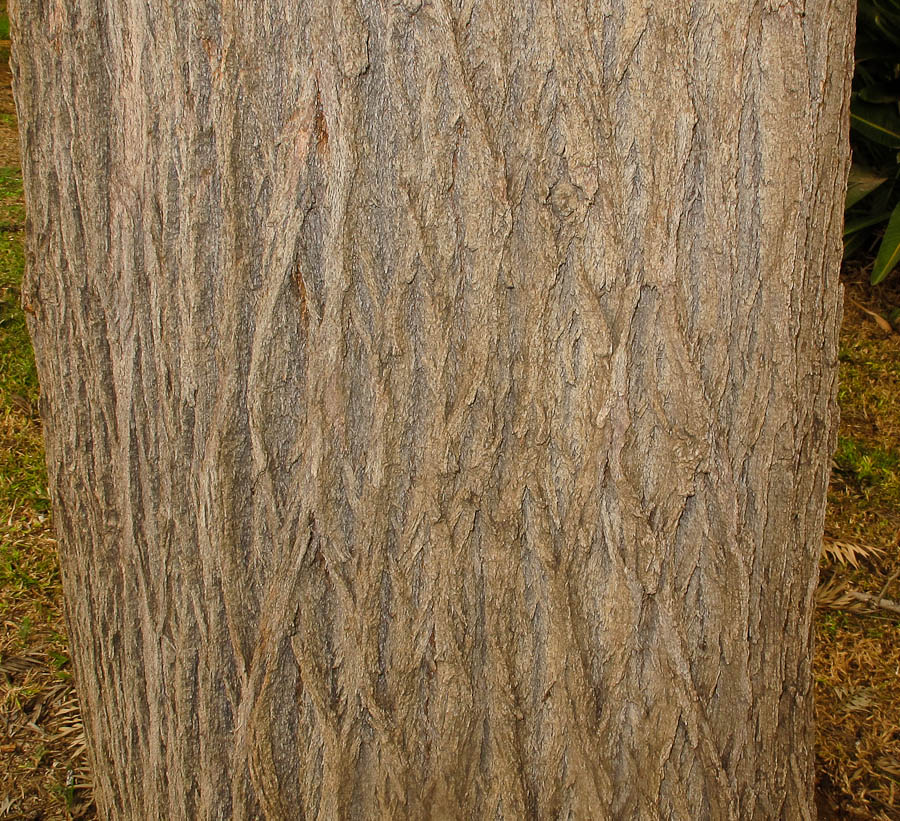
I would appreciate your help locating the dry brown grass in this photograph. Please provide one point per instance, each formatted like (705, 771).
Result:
(42, 757)
(857, 660)
(43, 769)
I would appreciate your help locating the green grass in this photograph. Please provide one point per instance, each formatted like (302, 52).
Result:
(875, 470)
(831, 621)
(4, 26)
(23, 479)
(17, 372)
(25, 572)
(865, 487)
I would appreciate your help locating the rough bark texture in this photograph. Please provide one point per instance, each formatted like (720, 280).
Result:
(438, 397)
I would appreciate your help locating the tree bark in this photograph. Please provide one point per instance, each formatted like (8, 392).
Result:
(438, 397)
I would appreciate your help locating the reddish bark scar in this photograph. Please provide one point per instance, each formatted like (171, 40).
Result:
(319, 124)
(301, 288)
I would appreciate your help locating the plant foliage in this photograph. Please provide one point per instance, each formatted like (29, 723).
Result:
(873, 192)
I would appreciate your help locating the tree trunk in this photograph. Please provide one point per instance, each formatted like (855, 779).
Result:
(438, 398)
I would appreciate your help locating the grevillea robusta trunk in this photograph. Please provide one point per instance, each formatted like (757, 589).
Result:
(438, 397)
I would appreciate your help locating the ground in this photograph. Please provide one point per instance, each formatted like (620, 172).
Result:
(43, 768)
(857, 658)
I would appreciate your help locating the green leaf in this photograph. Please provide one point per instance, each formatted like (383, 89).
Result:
(853, 243)
(889, 252)
(874, 50)
(854, 225)
(862, 181)
(880, 123)
(880, 93)
(888, 25)
(887, 17)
